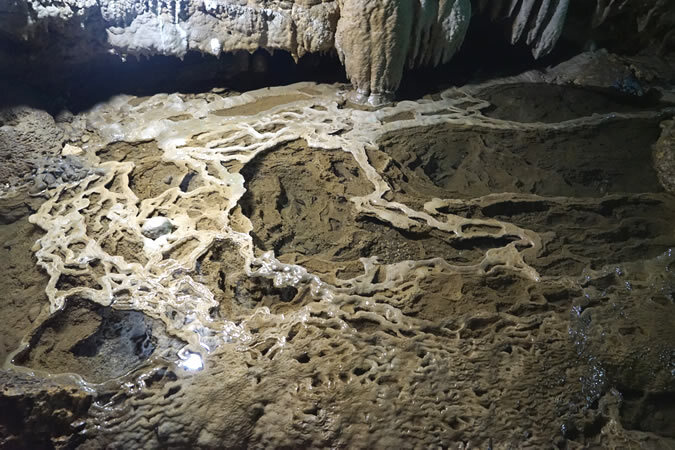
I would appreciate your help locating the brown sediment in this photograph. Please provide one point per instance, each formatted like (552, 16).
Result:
(151, 175)
(298, 200)
(456, 161)
(22, 296)
(269, 102)
(587, 216)
(222, 268)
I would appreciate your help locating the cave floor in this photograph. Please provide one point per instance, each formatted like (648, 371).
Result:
(484, 268)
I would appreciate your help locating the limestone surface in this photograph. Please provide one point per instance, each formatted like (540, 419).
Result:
(634, 25)
(376, 40)
(537, 23)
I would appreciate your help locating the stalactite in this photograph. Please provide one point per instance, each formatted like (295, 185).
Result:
(376, 44)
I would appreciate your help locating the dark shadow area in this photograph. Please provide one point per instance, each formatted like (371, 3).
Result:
(649, 412)
(37, 414)
(486, 53)
(78, 88)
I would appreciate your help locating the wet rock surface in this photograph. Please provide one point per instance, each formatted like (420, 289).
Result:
(96, 342)
(458, 272)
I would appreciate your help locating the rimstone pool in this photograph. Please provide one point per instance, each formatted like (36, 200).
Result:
(337, 224)
(433, 271)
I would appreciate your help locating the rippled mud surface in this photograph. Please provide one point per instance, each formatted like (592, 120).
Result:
(473, 271)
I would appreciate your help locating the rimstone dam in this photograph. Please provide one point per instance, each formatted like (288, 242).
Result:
(443, 224)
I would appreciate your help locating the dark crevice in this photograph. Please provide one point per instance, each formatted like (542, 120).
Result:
(484, 242)
(512, 208)
(77, 87)
(185, 183)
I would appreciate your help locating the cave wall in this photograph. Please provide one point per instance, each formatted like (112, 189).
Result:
(629, 26)
(376, 40)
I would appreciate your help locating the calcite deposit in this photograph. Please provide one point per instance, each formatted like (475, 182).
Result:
(490, 266)
(376, 40)
(538, 24)
(487, 264)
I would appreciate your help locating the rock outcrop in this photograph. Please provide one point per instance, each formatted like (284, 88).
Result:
(633, 25)
(39, 413)
(27, 135)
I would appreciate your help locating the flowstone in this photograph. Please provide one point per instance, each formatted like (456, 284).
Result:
(345, 278)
